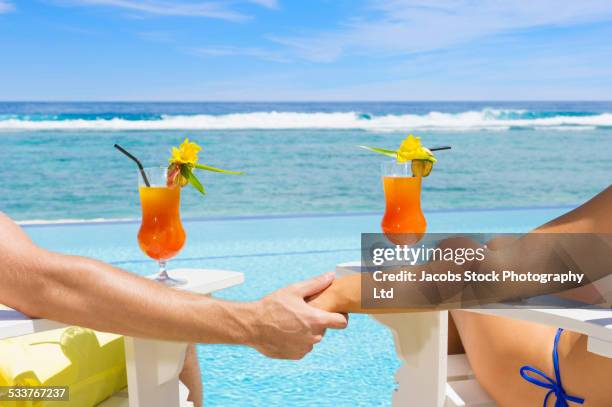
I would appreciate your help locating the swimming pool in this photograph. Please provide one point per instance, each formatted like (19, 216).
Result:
(353, 367)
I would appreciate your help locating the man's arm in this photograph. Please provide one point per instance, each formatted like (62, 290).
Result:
(81, 291)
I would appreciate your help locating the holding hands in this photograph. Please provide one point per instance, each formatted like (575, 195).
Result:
(287, 327)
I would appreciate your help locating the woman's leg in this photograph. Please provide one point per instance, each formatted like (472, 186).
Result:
(192, 377)
(496, 360)
(455, 347)
(498, 347)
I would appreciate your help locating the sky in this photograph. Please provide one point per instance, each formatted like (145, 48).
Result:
(295, 50)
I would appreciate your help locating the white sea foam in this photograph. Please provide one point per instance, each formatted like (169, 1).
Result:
(470, 120)
(70, 221)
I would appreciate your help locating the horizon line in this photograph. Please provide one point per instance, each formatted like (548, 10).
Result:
(316, 101)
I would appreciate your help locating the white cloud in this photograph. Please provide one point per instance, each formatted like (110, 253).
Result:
(157, 36)
(228, 51)
(6, 6)
(406, 26)
(273, 4)
(210, 9)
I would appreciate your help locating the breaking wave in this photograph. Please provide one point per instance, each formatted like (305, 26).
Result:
(485, 119)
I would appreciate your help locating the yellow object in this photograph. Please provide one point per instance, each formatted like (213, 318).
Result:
(411, 149)
(91, 363)
(183, 161)
(421, 168)
(186, 153)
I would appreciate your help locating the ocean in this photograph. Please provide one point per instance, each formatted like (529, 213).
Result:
(299, 158)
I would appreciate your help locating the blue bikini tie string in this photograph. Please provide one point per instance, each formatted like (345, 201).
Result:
(555, 387)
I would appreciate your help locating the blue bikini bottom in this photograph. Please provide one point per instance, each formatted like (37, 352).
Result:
(544, 381)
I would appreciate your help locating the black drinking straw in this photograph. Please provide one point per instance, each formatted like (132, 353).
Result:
(440, 148)
(137, 161)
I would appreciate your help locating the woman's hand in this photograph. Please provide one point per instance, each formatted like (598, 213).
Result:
(342, 296)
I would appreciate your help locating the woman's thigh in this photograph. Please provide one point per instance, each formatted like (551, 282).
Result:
(498, 347)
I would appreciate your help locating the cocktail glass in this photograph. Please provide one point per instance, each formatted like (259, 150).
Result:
(161, 235)
(403, 222)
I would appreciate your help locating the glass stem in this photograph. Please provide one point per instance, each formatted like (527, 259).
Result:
(162, 274)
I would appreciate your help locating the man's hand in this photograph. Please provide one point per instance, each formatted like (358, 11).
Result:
(287, 327)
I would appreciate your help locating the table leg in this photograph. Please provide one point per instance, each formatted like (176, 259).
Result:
(421, 344)
(153, 368)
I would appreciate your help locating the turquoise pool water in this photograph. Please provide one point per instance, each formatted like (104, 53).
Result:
(353, 367)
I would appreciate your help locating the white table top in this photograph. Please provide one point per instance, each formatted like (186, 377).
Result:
(596, 323)
(202, 281)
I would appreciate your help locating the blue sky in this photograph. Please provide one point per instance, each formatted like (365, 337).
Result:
(305, 50)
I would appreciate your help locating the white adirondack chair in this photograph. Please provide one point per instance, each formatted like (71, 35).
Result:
(429, 377)
(152, 366)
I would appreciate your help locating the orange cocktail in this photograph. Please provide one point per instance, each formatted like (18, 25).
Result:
(403, 221)
(161, 235)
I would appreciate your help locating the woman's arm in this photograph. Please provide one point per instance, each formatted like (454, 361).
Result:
(344, 295)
